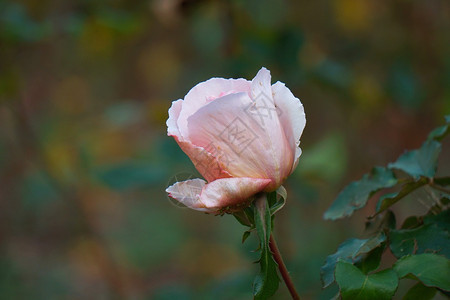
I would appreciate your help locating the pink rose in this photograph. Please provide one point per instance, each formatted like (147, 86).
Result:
(242, 136)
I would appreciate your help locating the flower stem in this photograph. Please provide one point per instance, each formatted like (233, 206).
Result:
(282, 267)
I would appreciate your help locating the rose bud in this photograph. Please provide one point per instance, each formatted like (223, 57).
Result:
(242, 136)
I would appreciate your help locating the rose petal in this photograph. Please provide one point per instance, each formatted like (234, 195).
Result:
(221, 193)
(292, 117)
(261, 84)
(231, 191)
(204, 161)
(298, 153)
(292, 114)
(174, 113)
(205, 92)
(188, 193)
(250, 143)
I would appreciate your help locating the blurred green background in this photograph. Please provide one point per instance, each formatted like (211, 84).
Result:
(84, 158)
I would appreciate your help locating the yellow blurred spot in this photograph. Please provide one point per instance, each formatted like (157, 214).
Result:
(157, 111)
(367, 92)
(353, 16)
(159, 65)
(97, 39)
(61, 159)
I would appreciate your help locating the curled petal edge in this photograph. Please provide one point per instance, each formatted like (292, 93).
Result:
(223, 194)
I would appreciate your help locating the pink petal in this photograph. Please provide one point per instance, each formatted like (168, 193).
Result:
(188, 193)
(221, 193)
(204, 161)
(298, 152)
(207, 91)
(292, 115)
(231, 191)
(261, 84)
(174, 113)
(251, 143)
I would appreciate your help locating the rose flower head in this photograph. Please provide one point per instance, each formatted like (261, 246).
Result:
(242, 136)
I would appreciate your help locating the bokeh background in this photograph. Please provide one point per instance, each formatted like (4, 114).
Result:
(84, 158)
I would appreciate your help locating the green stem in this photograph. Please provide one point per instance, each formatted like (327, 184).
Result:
(282, 267)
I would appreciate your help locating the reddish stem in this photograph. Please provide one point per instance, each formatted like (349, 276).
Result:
(282, 267)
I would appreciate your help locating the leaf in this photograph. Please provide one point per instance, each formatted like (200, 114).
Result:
(350, 250)
(443, 181)
(245, 235)
(420, 162)
(431, 269)
(411, 222)
(249, 213)
(241, 217)
(267, 281)
(381, 222)
(356, 194)
(390, 199)
(372, 260)
(279, 200)
(423, 239)
(420, 292)
(442, 220)
(445, 200)
(439, 133)
(355, 285)
(245, 217)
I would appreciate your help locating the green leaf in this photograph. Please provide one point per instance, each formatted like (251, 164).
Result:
(267, 281)
(420, 292)
(424, 239)
(380, 222)
(431, 269)
(356, 194)
(241, 217)
(442, 220)
(372, 260)
(439, 133)
(277, 200)
(443, 181)
(411, 222)
(249, 213)
(245, 235)
(390, 199)
(355, 285)
(420, 162)
(445, 200)
(350, 250)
